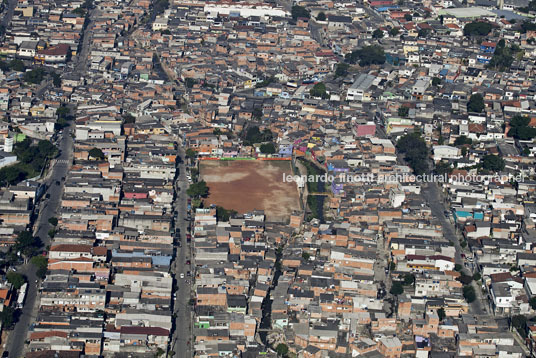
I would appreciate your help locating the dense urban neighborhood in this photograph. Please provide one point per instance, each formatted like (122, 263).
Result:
(275, 178)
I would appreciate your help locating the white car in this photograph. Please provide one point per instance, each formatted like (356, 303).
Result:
(182, 275)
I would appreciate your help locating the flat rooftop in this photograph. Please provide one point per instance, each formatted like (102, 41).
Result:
(467, 12)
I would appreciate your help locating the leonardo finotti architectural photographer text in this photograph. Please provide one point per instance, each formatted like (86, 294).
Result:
(405, 178)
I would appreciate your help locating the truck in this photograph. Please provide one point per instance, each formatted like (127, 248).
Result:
(22, 295)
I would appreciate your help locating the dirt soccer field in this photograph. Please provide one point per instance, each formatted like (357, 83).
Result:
(251, 185)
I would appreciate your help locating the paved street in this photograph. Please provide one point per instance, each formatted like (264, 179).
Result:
(431, 193)
(182, 342)
(48, 209)
(8, 13)
(82, 58)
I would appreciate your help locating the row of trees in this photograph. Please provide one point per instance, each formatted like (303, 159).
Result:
(366, 56)
(254, 135)
(477, 28)
(503, 57)
(34, 76)
(520, 128)
(413, 146)
(31, 158)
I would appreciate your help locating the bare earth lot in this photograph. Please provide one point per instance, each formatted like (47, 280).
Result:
(251, 185)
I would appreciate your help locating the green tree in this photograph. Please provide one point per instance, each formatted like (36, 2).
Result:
(190, 82)
(532, 302)
(321, 16)
(443, 168)
(79, 11)
(26, 243)
(413, 146)
(409, 279)
(199, 189)
(394, 31)
(341, 69)
(254, 135)
(190, 153)
(281, 349)
(8, 316)
(34, 76)
(53, 221)
(16, 279)
(17, 65)
(477, 276)
(441, 314)
(265, 82)
(4, 66)
(223, 214)
(257, 113)
(408, 17)
(463, 140)
(268, 148)
(96, 153)
(46, 149)
(503, 56)
(493, 163)
(436, 81)
(476, 103)
(458, 267)
(299, 11)
(306, 256)
(128, 118)
(477, 28)
(519, 322)
(527, 25)
(520, 129)
(41, 264)
(377, 34)
(63, 112)
(319, 90)
(465, 279)
(56, 80)
(469, 293)
(397, 288)
(366, 56)
(423, 33)
(403, 111)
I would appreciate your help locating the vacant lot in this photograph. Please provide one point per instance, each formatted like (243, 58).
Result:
(251, 185)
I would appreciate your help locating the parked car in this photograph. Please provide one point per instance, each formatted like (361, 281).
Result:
(182, 275)
(188, 262)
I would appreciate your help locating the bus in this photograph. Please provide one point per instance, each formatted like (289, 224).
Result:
(22, 295)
